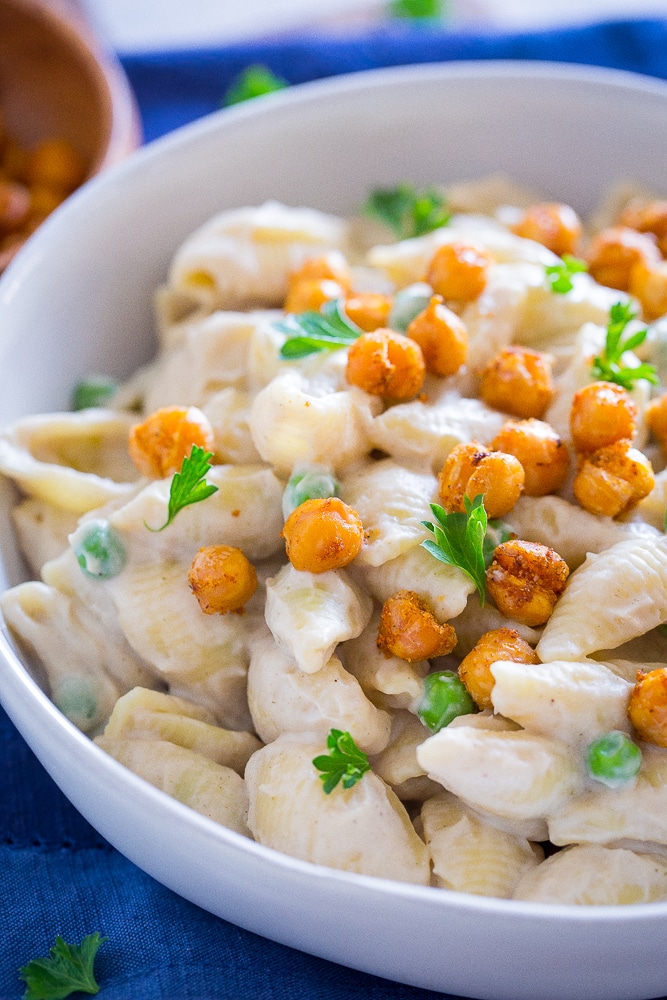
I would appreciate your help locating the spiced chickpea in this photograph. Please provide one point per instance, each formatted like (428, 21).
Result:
(525, 579)
(408, 629)
(647, 708)
(331, 266)
(648, 283)
(222, 579)
(541, 451)
(159, 444)
(310, 295)
(442, 336)
(647, 217)
(459, 271)
(54, 163)
(613, 252)
(471, 469)
(322, 534)
(475, 668)
(387, 364)
(554, 225)
(369, 310)
(601, 413)
(518, 381)
(612, 480)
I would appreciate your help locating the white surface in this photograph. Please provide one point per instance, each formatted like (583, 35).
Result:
(114, 239)
(136, 25)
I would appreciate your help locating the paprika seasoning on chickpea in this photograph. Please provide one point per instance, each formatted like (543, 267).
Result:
(525, 579)
(601, 413)
(471, 469)
(518, 381)
(613, 479)
(387, 364)
(475, 668)
(647, 708)
(159, 444)
(442, 336)
(542, 453)
(553, 224)
(222, 579)
(408, 629)
(322, 534)
(459, 271)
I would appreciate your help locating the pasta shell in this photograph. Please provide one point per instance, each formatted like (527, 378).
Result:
(596, 876)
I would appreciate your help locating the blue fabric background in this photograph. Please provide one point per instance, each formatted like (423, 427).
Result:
(57, 875)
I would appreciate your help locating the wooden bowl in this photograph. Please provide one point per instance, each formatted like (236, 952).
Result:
(57, 80)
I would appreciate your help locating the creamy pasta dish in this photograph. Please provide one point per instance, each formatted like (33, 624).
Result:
(369, 564)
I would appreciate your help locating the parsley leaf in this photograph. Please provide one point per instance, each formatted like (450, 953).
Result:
(309, 332)
(96, 390)
(406, 211)
(68, 969)
(459, 540)
(346, 762)
(254, 81)
(189, 485)
(559, 275)
(418, 9)
(607, 366)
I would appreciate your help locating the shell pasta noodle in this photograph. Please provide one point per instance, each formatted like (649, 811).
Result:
(369, 564)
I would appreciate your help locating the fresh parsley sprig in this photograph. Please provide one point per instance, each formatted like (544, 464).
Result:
(459, 540)
(345, 762)
(67, 969)
(407, 211)
(254, 81)
(418, 10)
(608, 366)
(559, 275)
(309, 332)
(189, 485)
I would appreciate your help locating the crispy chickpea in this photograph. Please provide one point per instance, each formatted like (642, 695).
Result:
(56, 164)
(310, 295)
(541, 451)
(647, 217)
(369, 310)
(222, 579)
(471, 469)
(331, 266)
(552, 224)
(601, 413)
(613, 252)
(386, 364)
(498, 644)
(525, 579)
(613, 479)
(322, 534)
(459, 271)
(518, 381)
(655, 416)
(442, 336)
(648, 706)
(159, 444)
(648, 283)
(408, 629)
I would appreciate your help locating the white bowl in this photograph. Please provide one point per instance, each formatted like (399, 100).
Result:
(78, 299)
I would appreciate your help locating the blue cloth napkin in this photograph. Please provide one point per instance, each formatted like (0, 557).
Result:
(57, 875)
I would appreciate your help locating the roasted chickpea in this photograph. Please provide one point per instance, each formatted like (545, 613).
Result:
(459, 271)
(408, 629)
(518, 381)
(54, 163)
(386, 364)
(613, 479)
(655, 416)
(471, 469)
(648, 706)
(601, 413)
(475, 668)
(369, 310)
(541, 451)
(331, 266)
(648, 283)
(552, 224)
(322, 534)
(525, 579)
(613, 252)
(442, 336)
(159, 444)
(647, 217)
(222, 579)
(310, 295)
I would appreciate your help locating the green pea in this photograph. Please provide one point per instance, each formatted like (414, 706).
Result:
(77, 698)
(98, 549)
(311, 484)
(445, 698)
(407, 304)
(96, 390)
(613, 759)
